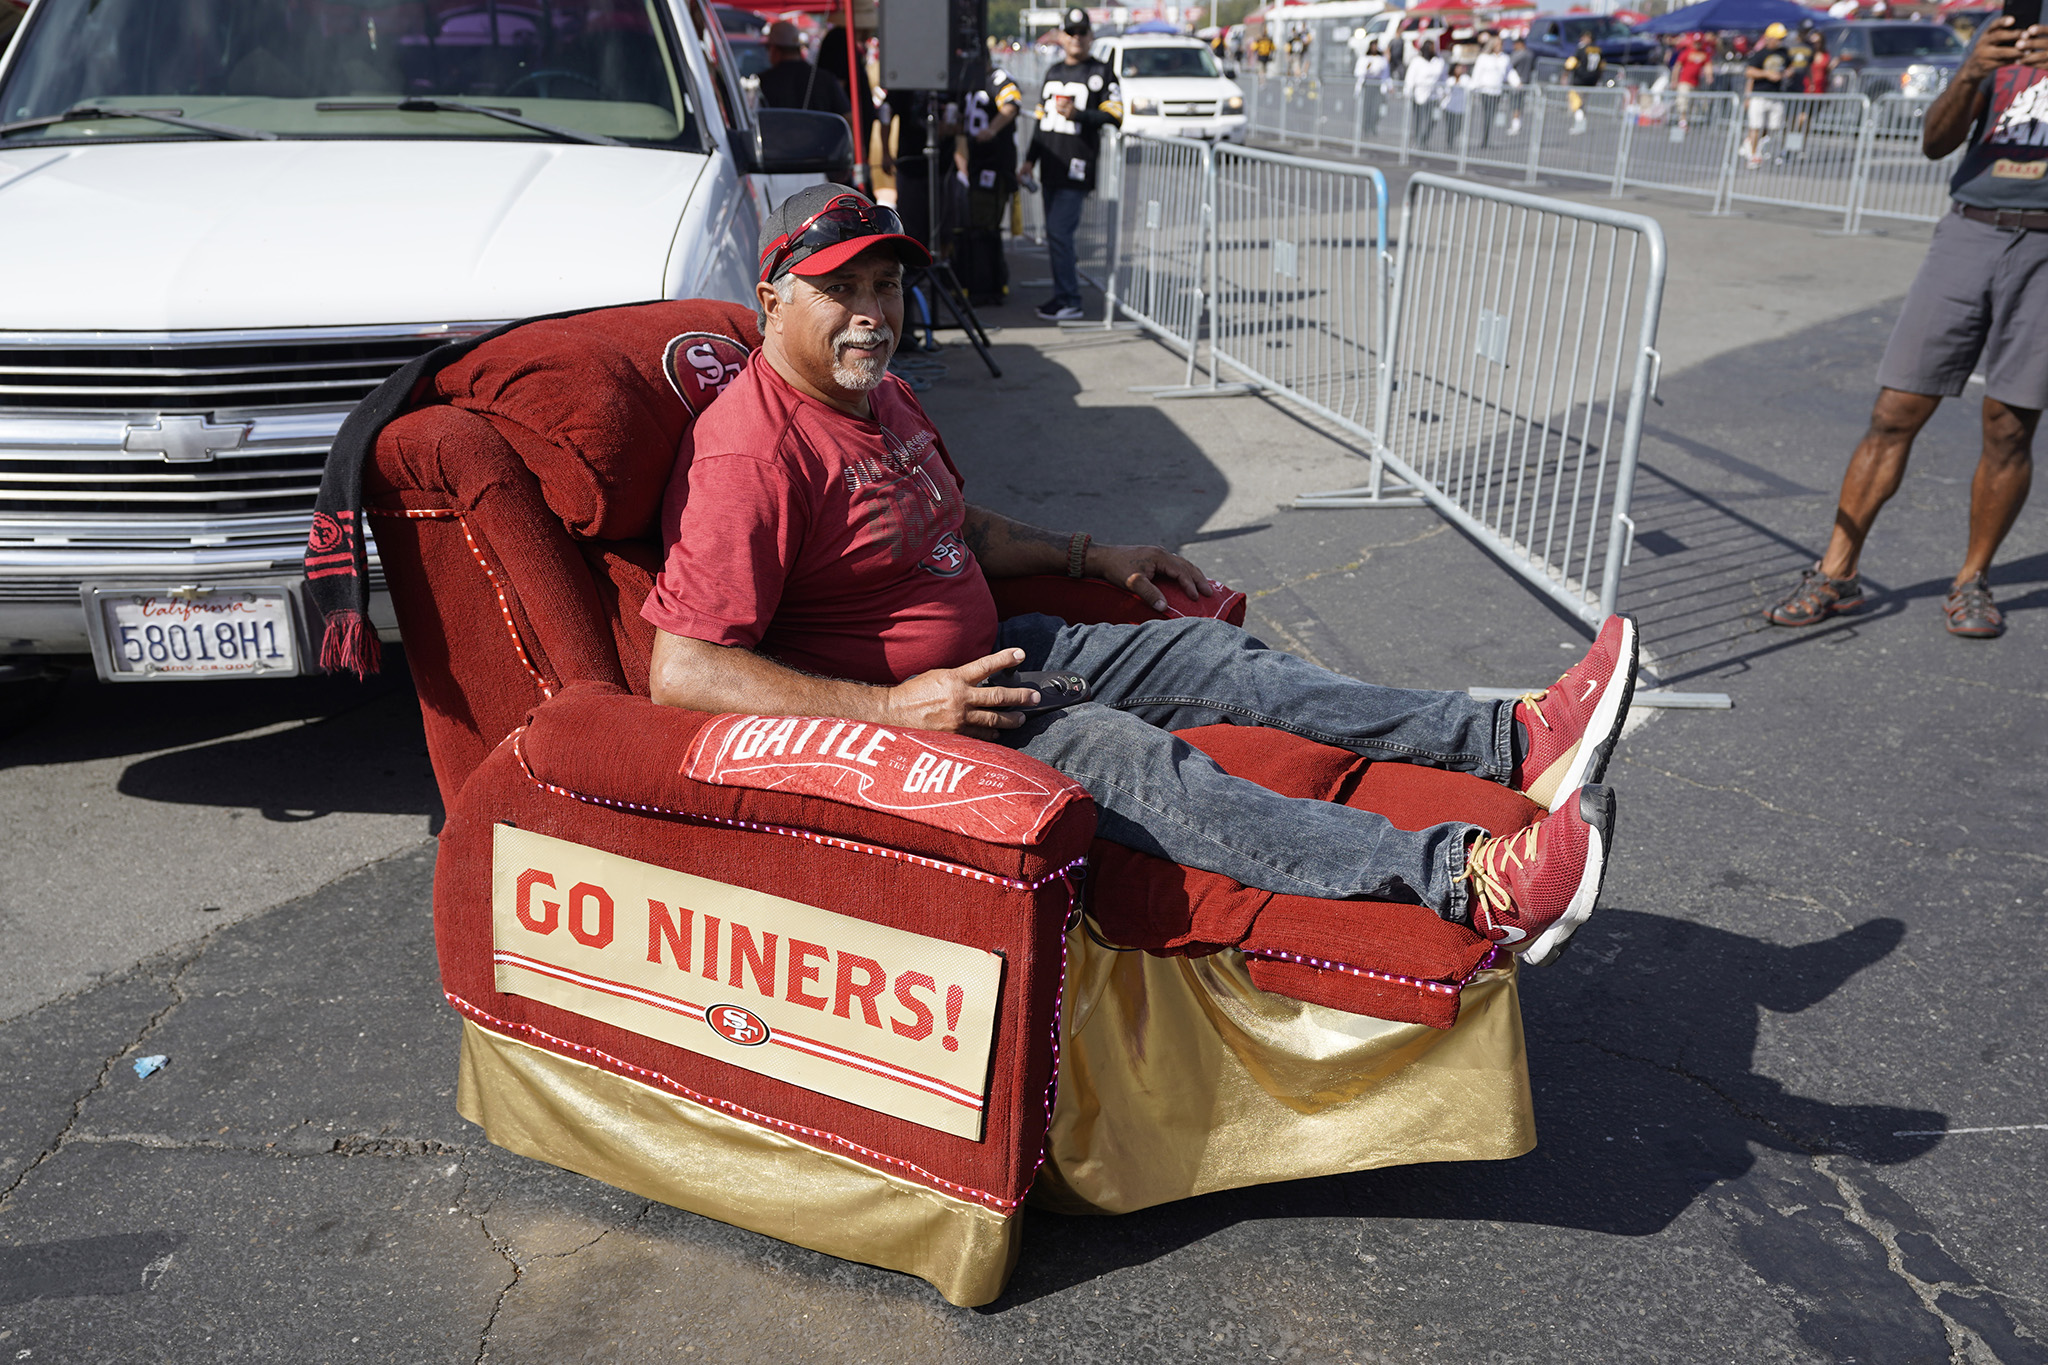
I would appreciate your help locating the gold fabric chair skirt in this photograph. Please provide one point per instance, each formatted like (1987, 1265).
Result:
(1177, 1077)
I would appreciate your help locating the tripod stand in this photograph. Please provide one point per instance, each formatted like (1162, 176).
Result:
(939, 278)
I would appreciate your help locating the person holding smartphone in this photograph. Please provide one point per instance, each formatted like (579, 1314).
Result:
(1978, 306)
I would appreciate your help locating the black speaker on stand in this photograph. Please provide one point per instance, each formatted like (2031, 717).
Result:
(936, 46)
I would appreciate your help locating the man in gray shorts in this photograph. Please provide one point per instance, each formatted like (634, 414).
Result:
(1979, 302)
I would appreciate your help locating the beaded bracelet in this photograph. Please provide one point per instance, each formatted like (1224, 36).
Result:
(1077, 554)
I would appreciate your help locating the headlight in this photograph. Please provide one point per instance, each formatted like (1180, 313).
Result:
(1922, 79)
(1144, 106)
(1234, 105)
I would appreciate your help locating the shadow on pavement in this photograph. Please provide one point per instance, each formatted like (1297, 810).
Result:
(1122, 470)
(366, 758)
(1641, 1042)
(89, 719)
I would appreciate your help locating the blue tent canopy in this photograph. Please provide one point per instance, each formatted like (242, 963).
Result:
(1154, 26)
(1714, 16)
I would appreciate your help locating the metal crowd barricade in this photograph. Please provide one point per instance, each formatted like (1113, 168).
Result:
(1299, 280)
(1581, 133)
(1686, 143)
(1805, 152)
(1898, 180)
(1522, 353)
(1836, 154)
(1157, 271)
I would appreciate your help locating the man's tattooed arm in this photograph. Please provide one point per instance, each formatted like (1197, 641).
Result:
(1008, 548)
(1011, 549)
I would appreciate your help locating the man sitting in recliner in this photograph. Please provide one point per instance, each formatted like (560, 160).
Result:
(821, 560)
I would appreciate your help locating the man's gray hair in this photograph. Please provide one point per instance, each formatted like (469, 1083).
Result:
(785, 289)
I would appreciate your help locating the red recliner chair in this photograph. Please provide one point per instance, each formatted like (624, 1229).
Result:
(854, 989)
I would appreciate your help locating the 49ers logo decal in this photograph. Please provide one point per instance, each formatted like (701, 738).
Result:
(737, 1024)
(699, 365)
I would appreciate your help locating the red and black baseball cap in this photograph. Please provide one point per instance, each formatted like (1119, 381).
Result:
(822, 227)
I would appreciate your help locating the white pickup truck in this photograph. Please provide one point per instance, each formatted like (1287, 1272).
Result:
(225, 221)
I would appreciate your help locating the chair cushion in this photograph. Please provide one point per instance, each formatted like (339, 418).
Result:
(1390, 960)
(596, 403)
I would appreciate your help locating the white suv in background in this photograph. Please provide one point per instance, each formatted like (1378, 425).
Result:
(226, 221)
(1173, 87)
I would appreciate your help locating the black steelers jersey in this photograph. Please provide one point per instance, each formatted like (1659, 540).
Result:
(992, 164)
(1066, 146)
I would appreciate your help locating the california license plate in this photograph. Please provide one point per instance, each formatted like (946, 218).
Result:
(147, 635)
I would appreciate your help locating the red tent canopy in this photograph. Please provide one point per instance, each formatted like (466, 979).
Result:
(1441, 7)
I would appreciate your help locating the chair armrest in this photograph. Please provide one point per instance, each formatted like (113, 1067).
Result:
(945, 797)
(1091, 600)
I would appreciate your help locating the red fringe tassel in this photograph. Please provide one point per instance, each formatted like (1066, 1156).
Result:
(350, 642)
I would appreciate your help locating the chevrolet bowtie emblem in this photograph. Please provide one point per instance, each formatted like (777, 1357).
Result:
(184, 440)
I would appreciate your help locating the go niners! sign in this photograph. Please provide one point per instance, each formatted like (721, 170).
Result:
(883, 1018)
(946, 781)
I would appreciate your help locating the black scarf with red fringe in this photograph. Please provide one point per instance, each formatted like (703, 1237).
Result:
(337, 560)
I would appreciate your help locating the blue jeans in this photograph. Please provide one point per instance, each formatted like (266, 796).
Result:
(1159, 795)
(1062, 220)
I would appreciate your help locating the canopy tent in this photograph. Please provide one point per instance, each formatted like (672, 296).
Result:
(1714, 16)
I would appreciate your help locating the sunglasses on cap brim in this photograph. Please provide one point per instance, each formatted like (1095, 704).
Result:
(844, 219)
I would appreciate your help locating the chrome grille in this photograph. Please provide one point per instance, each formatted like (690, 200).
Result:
(199, 376)
(63, 589)
(69, 404)
(1189, 108)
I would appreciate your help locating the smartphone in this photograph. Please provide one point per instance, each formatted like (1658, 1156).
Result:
(2025, 13)
(1055, 690)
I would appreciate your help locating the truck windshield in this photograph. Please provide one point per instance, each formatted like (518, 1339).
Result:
(1915, 40)
(340, 68)
(1142, 62)
(1602, 29)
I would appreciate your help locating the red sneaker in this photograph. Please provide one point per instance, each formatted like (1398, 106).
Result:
(1531, 890)
(1574, 722)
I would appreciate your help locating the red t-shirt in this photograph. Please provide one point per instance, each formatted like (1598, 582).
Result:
(1691, 64)
(826, 541)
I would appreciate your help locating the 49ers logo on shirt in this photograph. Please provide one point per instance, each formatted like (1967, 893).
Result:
(699, 365)
(948, 558)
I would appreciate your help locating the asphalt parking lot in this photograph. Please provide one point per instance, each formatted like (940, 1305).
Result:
(1788, 1082)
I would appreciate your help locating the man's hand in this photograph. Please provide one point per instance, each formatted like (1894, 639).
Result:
(1946, 125)
(953, 699)
(1136, 566)
(2034, 47)
(1063, 105)
(1999, 46)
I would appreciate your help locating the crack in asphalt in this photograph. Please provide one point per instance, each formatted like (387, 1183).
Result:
(1365, 554)
(352, 1145)
(1292, 643)
(68, 1133)
(503, 1246)
(200, 944)
(1966, 1347)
